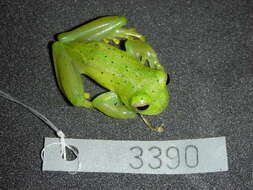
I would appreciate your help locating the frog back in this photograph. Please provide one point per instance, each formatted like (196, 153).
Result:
(112, 68)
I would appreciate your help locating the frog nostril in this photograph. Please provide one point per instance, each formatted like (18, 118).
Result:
(168, 79)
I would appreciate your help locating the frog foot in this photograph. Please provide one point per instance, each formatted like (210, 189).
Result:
(124, 33)
(129, 34)
(114, 40)
(87, 95)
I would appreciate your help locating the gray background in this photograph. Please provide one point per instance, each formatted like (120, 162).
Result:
(205, 46)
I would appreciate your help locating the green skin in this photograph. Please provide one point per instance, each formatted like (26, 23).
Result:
(134, 87)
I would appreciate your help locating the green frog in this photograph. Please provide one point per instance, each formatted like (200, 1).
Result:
(136, 81)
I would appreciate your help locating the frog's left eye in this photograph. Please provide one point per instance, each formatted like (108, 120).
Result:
(141, 102)
(142, 108)
(168, 79)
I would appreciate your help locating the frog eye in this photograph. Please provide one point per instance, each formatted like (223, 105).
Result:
(140, 102)
(168, 79)
(142, 108)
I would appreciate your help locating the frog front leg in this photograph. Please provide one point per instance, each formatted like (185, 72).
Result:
(110, 104)
(68, 77)
(143, 52)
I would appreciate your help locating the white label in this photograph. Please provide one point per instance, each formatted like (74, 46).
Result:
(146, 157)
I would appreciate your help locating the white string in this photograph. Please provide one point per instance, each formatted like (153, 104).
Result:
(79, 164)
(35, 112)
(58, 132)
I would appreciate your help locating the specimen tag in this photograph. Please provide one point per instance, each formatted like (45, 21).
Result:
(146, 157)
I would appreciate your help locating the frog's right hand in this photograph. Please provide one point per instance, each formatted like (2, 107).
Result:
(110, 104)
(143, 52)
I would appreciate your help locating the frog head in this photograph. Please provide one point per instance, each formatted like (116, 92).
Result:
(154, 98)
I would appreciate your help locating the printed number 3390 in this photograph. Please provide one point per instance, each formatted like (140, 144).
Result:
(172, 154)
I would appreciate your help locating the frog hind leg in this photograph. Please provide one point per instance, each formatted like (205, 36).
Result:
(110, 104)
(68, 77)
(98, 29)
(108, 28)
(143, 52)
